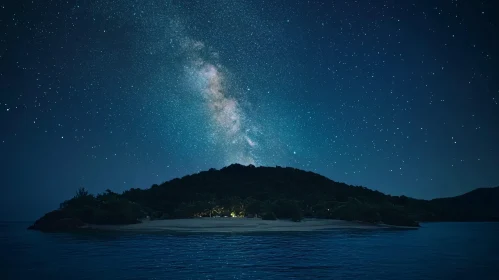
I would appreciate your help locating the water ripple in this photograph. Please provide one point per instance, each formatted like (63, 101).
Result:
(437, 251)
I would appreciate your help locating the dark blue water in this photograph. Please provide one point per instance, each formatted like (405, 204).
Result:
(436, 251)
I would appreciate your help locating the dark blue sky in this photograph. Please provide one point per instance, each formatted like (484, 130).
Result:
(398, 96)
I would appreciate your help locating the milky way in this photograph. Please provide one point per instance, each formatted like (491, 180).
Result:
(400, 97)
(227, 118)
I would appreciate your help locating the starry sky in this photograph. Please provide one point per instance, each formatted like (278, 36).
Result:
(397, 96)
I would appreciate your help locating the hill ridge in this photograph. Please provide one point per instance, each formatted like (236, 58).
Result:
(270, 193)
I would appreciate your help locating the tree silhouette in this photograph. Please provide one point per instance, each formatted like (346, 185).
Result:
(270, 193)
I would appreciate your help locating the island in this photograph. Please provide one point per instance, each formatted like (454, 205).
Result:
(249, 198)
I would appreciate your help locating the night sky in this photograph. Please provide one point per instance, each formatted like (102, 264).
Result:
(398, 96)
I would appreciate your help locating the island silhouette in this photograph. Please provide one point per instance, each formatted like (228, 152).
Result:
(268, 193)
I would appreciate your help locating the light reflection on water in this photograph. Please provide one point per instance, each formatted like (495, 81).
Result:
(436, 251)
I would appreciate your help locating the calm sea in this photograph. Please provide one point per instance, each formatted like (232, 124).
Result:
(436, 251)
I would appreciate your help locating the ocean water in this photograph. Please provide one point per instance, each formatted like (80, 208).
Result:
(435, 251)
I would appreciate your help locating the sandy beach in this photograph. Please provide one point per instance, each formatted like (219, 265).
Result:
(236, 225)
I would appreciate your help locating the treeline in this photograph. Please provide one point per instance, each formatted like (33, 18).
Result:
(106, 208)
(271, 193)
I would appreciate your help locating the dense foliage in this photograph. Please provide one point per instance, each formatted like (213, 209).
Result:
(107, 208)
(273, 193)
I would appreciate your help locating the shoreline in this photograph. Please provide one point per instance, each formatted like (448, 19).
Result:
(239, 225)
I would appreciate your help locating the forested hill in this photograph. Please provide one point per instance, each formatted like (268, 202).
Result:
(269, 193)
(478, 205)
